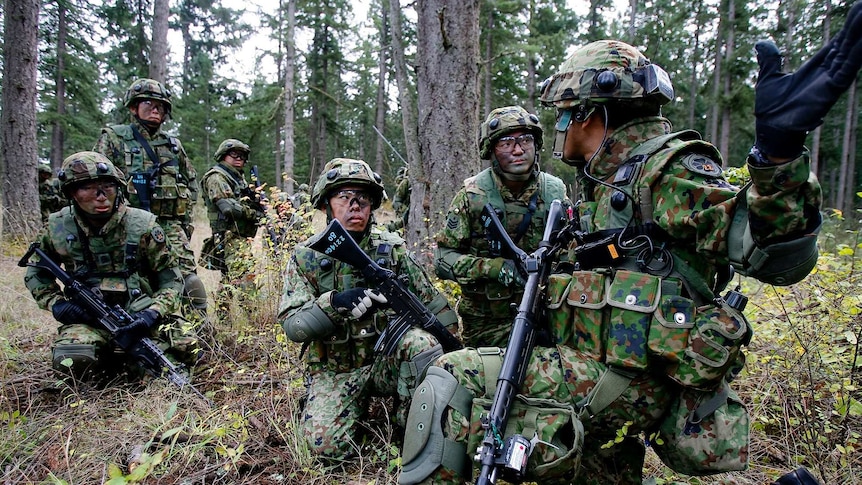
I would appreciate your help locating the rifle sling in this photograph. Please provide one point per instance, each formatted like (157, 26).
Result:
(144, 143)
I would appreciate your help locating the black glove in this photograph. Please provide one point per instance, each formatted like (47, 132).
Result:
(138, 328)
(358, 301)
(788, 106)
(509, 274)
(800, 476)
(69, 313)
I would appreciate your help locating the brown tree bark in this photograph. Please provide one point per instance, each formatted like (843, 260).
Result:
(159, 45)
(18, 152)
(380, 102)
(448, 101)
(58, 134)
(289, 96)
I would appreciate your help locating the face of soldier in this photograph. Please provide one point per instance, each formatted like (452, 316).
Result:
(236, 159)
(583, 139)
(150, 110)
(516, 152)
(96, 198)
(351, 205)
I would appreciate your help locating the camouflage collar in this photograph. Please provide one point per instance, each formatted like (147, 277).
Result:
(621, 141)
(146, 131)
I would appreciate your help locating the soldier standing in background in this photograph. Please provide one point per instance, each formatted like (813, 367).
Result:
(50, 196)
(161, 178)
(510, 138)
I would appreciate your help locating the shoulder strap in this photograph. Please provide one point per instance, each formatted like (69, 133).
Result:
(146, 145)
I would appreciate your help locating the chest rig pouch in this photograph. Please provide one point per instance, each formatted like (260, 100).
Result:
(157, 182)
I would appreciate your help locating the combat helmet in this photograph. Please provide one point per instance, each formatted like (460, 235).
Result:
(147, 89)
(44, 168)
(340, 172)
(85, 166)
(503, 121)
(228, 145)
(606, 70)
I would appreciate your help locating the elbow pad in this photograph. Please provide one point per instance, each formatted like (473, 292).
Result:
(308, 324)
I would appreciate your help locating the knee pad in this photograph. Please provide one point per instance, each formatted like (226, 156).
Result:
(413, 371)
(425, 447)
(195, 292)
(82, 357)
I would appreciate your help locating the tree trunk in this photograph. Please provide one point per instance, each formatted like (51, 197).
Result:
(289, 96)
(727, 83)
(18, 152)
(448, 100)
(846, 181)
(159, 45)
(58, 133)
(380, 103)
(488, 64)
(408, 108)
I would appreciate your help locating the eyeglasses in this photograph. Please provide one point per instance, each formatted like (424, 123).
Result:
(237, 155)
(153, 105)
(507, 143)
(348, 196)
(92, 190)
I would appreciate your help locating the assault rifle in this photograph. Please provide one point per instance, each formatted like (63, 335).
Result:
(112, 319)
(499, 241)
(508, 458)
(262, 202)
(336, 242)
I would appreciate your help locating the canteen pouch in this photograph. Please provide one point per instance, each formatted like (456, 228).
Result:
(548, 420)
(704, 433)
(587, 299)
(633, 297)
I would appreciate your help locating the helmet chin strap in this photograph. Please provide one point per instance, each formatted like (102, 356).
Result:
(151, 126)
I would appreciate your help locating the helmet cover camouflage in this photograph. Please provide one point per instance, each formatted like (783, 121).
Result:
(85, 166)
(143, 89)
(44, 168)
(605, 70)
(341, 172)
(228, 145)
(303, 188)
(503, 121)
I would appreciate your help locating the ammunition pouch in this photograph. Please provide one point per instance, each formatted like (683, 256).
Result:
(633, 321)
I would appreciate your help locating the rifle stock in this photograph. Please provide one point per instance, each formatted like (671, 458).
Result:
(336, 242)
(494, 453)
(148, 354)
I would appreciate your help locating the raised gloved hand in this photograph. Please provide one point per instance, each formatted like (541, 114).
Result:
(358, 301)
(788, 106)
(506, 272)
(140, 326)
(69, 313)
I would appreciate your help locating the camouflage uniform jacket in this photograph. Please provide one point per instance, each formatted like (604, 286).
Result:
(223, 182)
(176, 187)
(51, 198)
(310, 280)
(693, 204)
(128, 260)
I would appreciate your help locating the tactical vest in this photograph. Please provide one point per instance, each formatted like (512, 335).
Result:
(352, 345)
(482, 190)
(108, 263)
(635, 313)
(169, 194)
(218, 221)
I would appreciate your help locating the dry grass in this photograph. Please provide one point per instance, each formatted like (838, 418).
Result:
(60, 432)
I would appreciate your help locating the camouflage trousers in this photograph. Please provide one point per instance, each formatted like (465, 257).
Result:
(613, 453)
(337, 402)
(180, 245)
(238, 288)
(174, 337)
(486, 323)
